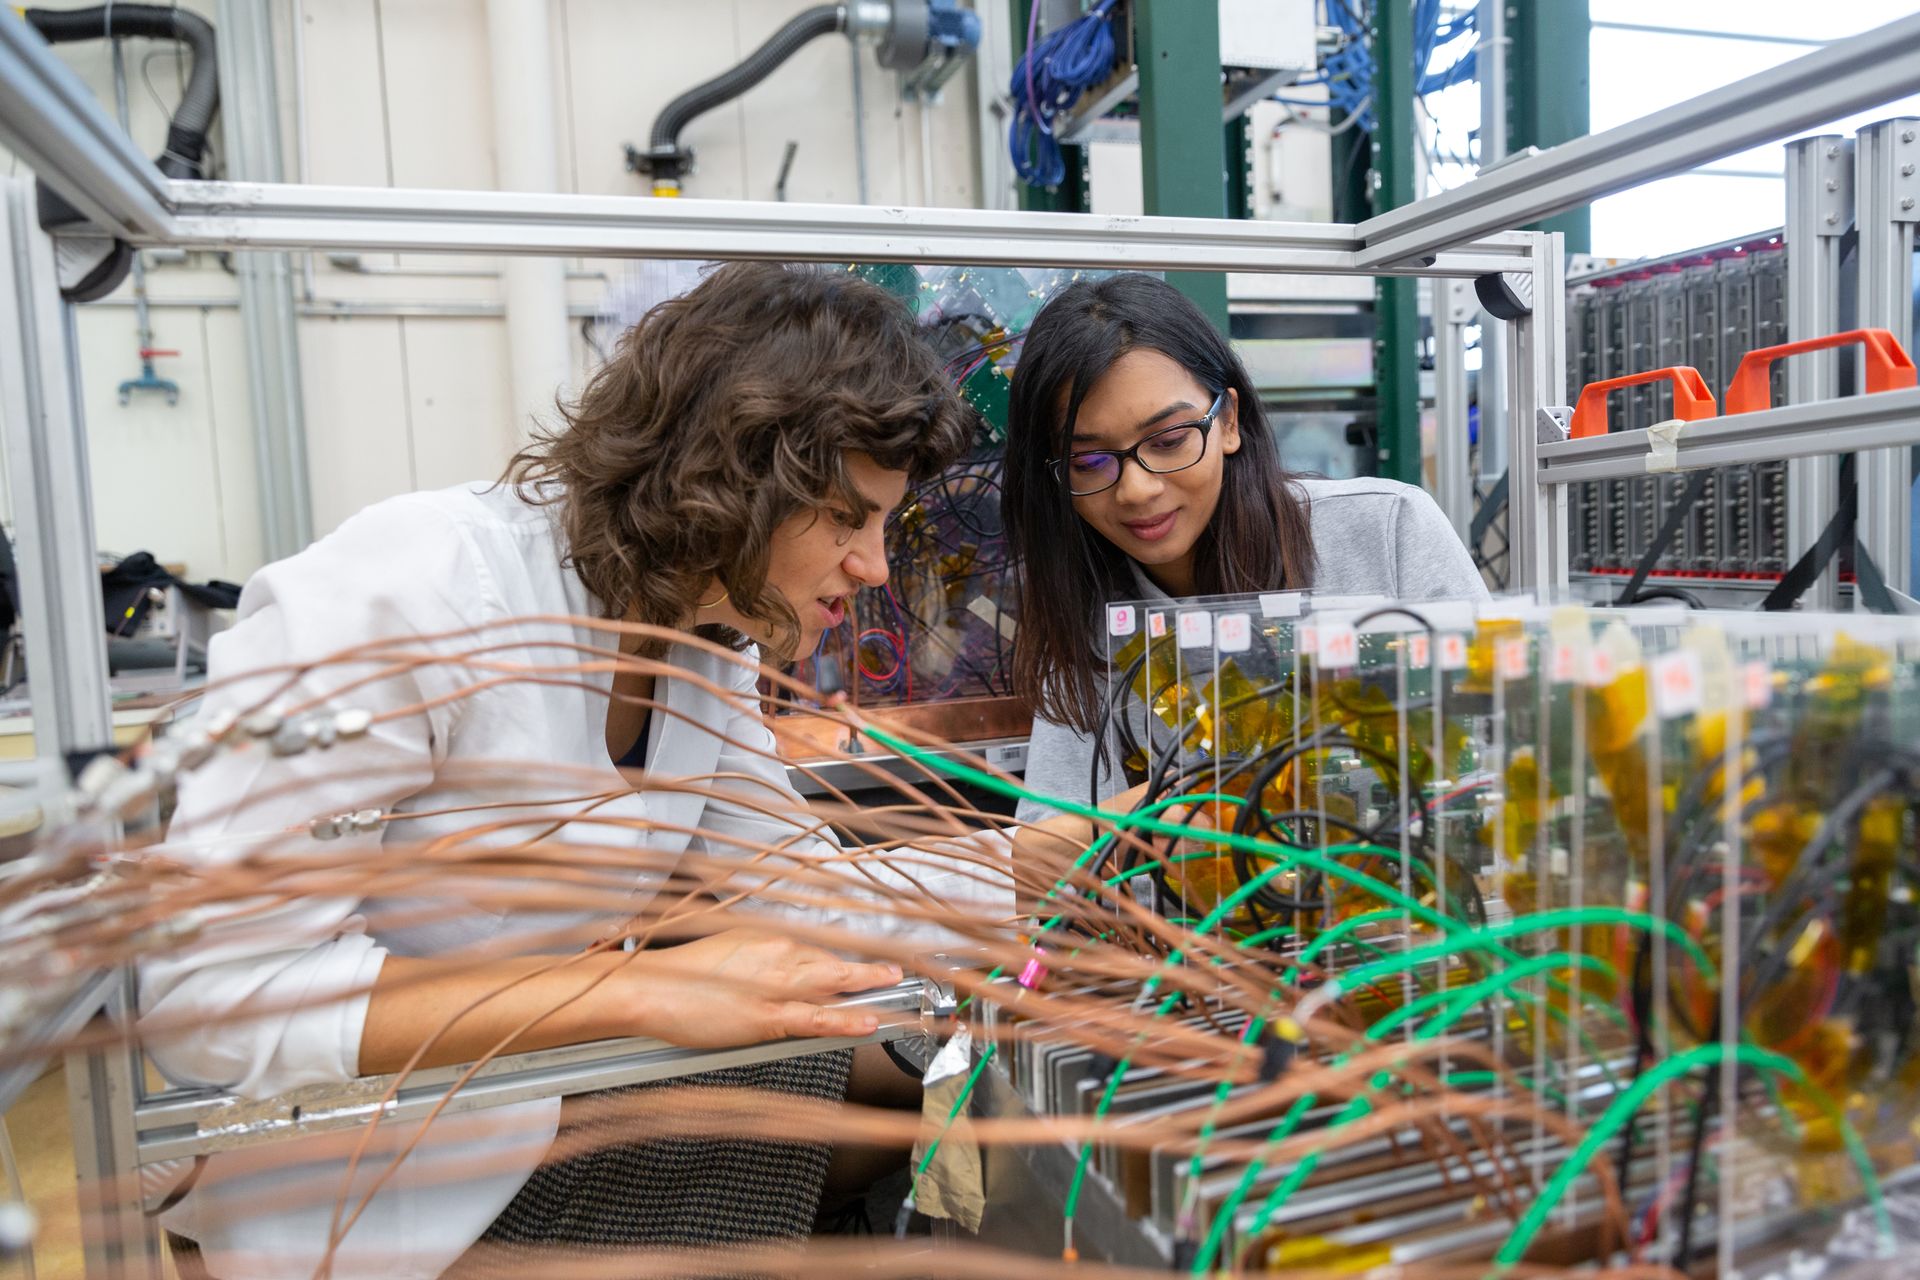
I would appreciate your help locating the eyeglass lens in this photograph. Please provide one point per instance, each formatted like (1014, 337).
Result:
(1170, 450)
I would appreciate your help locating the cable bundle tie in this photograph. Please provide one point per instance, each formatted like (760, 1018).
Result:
(360, 822)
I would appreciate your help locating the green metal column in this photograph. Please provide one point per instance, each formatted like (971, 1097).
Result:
(1549, 87)
(1182, 146)
(1396, 345)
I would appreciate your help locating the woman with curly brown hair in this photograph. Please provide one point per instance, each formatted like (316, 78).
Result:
(726, 474)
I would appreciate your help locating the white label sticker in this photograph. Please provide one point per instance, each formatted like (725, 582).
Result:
(1757, 680)
(1510, 657)
(1453, 652)
(1281, 604)
(1196, 629)
(1339, 645)
(1600, 667)
(1676, 683)
(1419, 650)
(989, 612)
(1122, 620)
(1566, 662)
(1236, 633)
(954, 1057)
(1306, 639)
(1156, 625)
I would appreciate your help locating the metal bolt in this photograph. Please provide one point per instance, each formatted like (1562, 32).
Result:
(1833, 184)
(1833, 219)
(1833, 151)
(1907, 203)
(1906, 135)
(1906, 170)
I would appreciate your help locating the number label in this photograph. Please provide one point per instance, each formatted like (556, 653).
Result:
(1676, 683)
(1339, 645)
(1510, 658)
(1236, 633)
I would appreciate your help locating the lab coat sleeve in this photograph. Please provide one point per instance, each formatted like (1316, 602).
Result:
(969, 874)
(397, 571)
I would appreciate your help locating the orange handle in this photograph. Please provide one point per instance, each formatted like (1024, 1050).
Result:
(1691, 399)
(1888, 367)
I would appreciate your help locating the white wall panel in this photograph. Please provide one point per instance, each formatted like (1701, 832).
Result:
(346, 97)
(397, 91)
(458, 396)
(155, 484)
(359, 442)
(629, 58)
(230, 410)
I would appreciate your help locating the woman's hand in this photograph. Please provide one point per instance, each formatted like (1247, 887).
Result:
(743, 986)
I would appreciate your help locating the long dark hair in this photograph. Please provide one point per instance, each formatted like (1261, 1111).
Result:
(1258, 540)
(723, 412)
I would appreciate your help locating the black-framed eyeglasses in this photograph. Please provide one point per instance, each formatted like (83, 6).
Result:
(1167, 450)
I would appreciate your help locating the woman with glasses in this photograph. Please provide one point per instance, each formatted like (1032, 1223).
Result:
(1140, 466)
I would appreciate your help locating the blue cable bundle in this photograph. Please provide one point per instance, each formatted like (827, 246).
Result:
(1348, 73)
(1056, 71)
(1048, 80)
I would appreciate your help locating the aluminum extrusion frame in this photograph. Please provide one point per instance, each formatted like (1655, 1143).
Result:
(1850, 75)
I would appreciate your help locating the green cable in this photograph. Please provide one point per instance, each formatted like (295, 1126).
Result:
(1623, 1107)
(966, 1091)
(1093, 852)
(1459, 1003)
(1226, 905)
(1544, 920)
(1144, 821)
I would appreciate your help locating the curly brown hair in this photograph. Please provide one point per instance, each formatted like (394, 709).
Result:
(722, 413)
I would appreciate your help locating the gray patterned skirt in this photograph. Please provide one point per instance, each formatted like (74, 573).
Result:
(671, 1192)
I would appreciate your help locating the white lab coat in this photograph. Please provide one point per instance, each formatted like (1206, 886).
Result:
(417, 565)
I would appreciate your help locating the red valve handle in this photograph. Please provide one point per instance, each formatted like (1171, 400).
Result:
(1691, 399)
(148, 353)
(1888, 367)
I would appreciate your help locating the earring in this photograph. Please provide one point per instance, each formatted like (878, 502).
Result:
(719, 599)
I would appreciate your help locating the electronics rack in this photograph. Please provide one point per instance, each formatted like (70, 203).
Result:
(1704, 308)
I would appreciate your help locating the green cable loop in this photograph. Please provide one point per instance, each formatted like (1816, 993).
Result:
(1623, 1107)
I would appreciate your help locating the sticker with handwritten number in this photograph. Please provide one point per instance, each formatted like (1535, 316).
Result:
(1122, 620)
(1235, 632)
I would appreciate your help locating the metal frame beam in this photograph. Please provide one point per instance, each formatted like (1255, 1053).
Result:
(1454, 308)
(173, 1127)
(252, 123)
(1887, 209)
(1852, 75)
(1884, 420)
(1819, 213)
(1537, 378)
(252, 215)
(49, 482)
(52, 121)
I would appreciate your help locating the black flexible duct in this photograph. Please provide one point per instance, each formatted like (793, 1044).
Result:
(187, 135)
(104, 262)
(665, 158)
